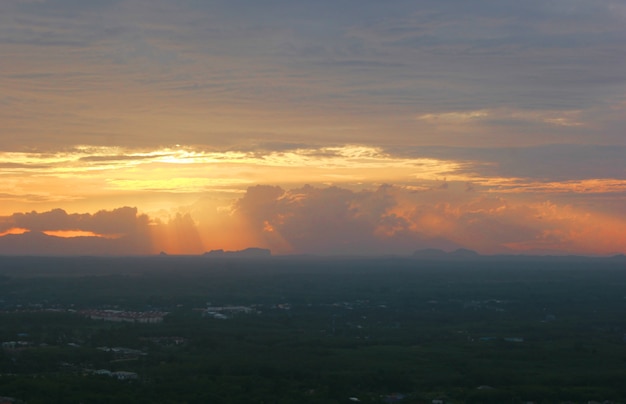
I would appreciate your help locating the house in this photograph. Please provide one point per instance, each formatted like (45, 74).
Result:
(9, 345)
(122, 375)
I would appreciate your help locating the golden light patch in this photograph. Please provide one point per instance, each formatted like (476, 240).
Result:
(521, 185)
(77, 233)
(550, 117)
(15, 230)
(185, 170)
(179, 185)
(454, 116)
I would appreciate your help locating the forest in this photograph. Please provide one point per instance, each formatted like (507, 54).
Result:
(194, 329)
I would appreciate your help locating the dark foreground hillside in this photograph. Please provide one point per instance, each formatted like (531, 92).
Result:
(312, 330)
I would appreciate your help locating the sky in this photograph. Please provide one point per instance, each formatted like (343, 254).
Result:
(312, 127)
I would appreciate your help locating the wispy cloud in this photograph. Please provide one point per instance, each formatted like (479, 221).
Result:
(504, 117)
(139, 73)
(185, 169)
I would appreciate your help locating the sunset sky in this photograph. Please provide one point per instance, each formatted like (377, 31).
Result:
(323, 127)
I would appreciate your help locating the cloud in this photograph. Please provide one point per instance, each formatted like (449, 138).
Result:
(118, 222)
(453, 116)
(318, 220)
(503, 117)
(120, 231)
(331, 220)
(534, 164)
(83, 171)
(392, 220)
(138, 71)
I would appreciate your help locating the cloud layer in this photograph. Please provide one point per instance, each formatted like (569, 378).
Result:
(394, 220)
(327, 220)
(141, 73)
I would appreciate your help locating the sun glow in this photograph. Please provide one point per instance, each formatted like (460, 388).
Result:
(78, 233)
(428, 193)
(15, 231)
(84, 172)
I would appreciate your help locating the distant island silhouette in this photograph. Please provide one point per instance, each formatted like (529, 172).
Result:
(252, 252)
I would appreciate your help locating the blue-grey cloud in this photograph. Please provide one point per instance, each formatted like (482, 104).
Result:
(545, 162)
(354, 61)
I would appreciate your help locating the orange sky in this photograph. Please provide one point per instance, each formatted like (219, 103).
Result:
(313, 127)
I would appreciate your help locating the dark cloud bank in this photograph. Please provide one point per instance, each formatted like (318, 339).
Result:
(329, 221)
(121, 231)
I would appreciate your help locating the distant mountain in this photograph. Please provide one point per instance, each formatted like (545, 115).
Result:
(463, 253)
(434, 253)
(430, 253)
(247, 253)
